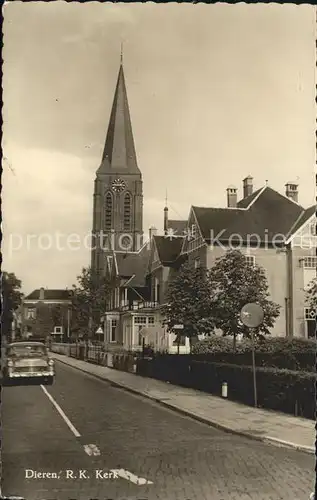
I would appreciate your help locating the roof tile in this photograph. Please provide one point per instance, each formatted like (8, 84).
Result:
(168, 248)
(271, 214)
(50, 295)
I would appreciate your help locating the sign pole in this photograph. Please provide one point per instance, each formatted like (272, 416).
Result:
(254, 369)
(252, 316)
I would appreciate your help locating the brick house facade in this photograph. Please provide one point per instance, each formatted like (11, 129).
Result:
(46, 313)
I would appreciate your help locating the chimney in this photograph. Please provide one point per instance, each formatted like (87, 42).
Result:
(152, 232)
(42, 293)
(247, 186)
(291, 191)
(232, 197)
(165, 220)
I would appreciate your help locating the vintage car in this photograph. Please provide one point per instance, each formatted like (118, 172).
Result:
(28, 361)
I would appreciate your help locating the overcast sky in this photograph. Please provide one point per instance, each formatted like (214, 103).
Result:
(216, 92)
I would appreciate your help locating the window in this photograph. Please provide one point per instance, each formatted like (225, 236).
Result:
(31, 313)
(127, 212)
(140, 320)
(310, 314)
(151, 320)
(250, 259)
(108, 212)
(310, 262)
(113, 329)
(58, 329)
(140, 337)
(312, 228)
(110, 262)
(310, 318)
(197, 263)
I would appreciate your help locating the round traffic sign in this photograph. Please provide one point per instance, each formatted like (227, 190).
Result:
(252, 315)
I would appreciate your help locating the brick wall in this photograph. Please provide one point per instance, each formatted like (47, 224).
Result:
(47, 315)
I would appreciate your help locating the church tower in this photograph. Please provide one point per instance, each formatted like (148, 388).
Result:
(118, 194)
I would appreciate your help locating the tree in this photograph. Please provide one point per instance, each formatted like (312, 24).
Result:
(188, 303)
(234, 282)
(11, 300)
(89, 299)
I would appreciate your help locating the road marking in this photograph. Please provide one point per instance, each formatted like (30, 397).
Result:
(125, 474)
(92, 449)
(60, 411)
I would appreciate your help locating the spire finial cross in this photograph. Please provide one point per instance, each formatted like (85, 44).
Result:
(166, 198)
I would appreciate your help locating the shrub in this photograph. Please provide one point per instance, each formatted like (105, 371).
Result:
(288, 353)
(283, 390)
(280, 390)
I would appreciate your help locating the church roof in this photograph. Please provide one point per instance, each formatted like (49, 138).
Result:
(269, 215)
(119, 152)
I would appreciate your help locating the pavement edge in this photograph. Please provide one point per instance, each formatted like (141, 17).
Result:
(229, 430)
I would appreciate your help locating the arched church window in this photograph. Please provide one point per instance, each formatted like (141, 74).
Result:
(108, 212)
(127, 212)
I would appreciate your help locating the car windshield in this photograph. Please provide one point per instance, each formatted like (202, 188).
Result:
(27, 350)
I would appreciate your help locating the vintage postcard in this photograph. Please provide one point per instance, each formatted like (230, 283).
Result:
(159, 251)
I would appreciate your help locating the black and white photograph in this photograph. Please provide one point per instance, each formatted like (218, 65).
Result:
(159, 284)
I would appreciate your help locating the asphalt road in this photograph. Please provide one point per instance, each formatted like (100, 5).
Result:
(48, 431)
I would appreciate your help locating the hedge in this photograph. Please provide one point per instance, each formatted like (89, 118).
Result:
(287, 391)
(283, 353)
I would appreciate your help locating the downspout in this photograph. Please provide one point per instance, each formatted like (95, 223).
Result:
(290, 299)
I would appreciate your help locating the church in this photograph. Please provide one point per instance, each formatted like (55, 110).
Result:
(141, 266)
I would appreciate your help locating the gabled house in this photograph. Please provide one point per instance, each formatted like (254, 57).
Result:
(46, 312)
(273, 231)
(130, 300)
(139, 282)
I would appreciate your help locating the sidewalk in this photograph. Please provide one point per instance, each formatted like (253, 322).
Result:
(263, 425)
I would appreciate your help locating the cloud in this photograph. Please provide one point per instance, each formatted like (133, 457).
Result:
(45, 192)
(48, 197)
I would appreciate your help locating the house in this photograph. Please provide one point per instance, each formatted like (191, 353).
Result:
(271, 229)
(46, 312)
(134, 308)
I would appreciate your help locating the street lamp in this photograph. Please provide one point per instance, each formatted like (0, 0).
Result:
(252, 316)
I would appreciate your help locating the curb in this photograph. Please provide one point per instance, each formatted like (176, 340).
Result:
(264, 439)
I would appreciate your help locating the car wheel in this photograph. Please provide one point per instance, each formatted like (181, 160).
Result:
(49, 381)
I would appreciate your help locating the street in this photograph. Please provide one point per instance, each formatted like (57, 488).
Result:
(100, 442)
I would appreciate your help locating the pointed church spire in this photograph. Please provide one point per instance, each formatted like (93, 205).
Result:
(165, 227)
(119, 151)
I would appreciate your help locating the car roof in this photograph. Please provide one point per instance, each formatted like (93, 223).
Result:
(13, 344)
